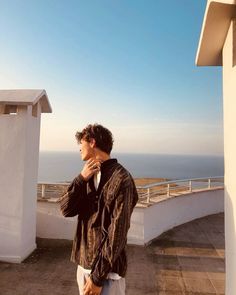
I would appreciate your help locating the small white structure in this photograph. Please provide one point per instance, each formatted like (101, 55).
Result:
(217, 47)
(20, 112)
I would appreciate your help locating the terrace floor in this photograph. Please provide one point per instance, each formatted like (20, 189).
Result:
(188, 259)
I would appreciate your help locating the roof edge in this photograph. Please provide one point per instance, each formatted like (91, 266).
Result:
(26, 97)
(216, 22)
(45, 104)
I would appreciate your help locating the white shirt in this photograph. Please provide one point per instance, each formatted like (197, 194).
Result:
(111, 275)
(96, 179)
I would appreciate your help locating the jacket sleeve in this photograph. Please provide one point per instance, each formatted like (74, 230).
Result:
(72, 201)
(116, 236)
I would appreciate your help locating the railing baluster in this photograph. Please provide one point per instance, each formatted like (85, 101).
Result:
(190, 186)
(168, 190)
(209, 183)
(148, 195)
(43, 191)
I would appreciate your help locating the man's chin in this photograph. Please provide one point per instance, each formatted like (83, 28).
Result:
(82, 158)
(85, 158)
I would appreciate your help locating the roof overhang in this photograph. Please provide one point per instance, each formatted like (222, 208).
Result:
(217, 19)
(26, 97)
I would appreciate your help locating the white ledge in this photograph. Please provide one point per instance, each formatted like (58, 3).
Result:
(217, 18)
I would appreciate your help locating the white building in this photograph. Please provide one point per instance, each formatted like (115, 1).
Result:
(20, 114)
(217, 47)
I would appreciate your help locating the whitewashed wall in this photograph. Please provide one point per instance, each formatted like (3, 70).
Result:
(146, 223)
(229, 90)
(179, 210)
(19, 150)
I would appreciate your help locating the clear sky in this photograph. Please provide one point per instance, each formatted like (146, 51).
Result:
(127, 64)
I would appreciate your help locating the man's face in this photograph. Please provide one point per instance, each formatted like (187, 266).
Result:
(86, 149)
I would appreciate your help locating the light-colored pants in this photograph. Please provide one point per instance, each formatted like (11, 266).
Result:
(110, 287)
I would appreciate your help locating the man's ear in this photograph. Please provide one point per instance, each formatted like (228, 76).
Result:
(92, 142)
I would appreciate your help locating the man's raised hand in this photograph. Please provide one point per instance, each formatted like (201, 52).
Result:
(91, 167)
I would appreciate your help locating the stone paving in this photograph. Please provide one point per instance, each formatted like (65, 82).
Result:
(188, 259)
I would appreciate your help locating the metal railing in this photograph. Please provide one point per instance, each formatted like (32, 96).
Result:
(162, 190)
(46, 190)
(150, 193)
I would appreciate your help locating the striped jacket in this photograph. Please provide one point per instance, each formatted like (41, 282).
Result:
(103, 220)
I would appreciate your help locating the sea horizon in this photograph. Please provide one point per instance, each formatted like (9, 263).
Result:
(63, 166)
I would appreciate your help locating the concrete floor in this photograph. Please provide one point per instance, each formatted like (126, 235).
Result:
(188, 259)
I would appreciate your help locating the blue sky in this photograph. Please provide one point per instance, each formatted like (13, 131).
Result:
(129, 65)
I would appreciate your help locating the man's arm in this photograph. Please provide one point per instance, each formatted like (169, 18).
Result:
(72, 201)
(117, 233)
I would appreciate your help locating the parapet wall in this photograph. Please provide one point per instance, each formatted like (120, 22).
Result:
(147, 223)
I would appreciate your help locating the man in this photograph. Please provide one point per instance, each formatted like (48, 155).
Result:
(103, 196)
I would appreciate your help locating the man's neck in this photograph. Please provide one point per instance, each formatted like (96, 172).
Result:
(101, 156)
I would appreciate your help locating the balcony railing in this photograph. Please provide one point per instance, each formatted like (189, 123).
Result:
(48, 190)
(161, 190)
(148, 194)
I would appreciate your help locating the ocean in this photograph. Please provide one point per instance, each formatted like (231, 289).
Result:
(64, 166)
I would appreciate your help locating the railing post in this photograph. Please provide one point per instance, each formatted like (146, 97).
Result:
(148, 195)
(168, 189)
(43, 191)
(190, 186)
(209, 183)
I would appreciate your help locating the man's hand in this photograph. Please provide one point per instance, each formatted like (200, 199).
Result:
(91, 167)
(91, 289)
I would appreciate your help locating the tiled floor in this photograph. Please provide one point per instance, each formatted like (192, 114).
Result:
(188, 259)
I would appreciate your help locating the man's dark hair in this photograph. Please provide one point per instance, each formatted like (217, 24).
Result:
(103, 137)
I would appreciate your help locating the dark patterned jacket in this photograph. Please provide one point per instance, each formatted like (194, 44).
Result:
(103, 220)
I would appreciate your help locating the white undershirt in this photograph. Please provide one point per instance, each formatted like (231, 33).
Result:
(96, 179)
(111, 275)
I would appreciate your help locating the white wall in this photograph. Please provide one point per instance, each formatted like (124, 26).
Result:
(146, 223)
(19, 150)
(179, 210)
(136, 231)
(51, 224)
(229, 91)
